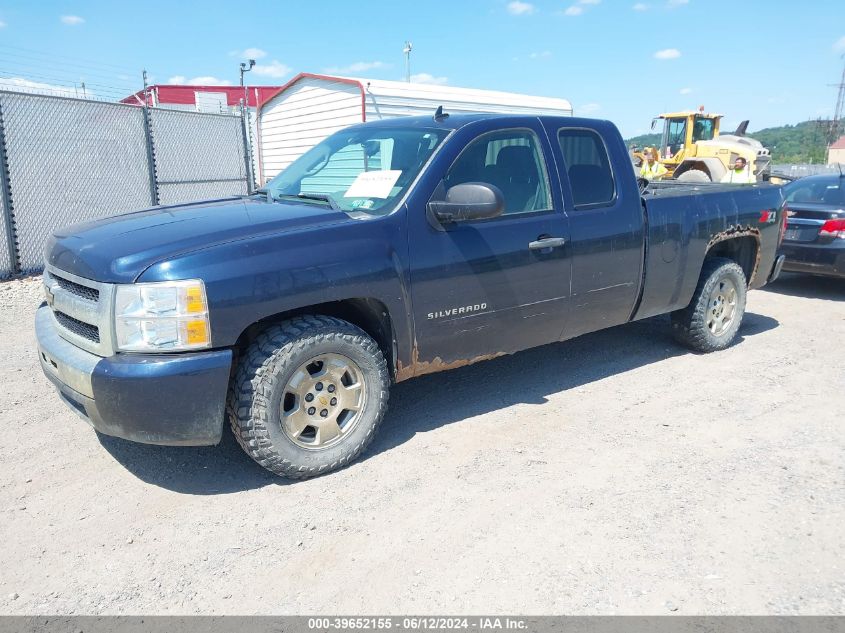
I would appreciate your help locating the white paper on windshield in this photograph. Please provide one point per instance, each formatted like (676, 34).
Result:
(373, 184)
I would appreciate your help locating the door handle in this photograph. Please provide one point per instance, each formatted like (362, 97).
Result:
(545, 243)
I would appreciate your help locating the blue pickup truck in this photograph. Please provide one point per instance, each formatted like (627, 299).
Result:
(390, 250)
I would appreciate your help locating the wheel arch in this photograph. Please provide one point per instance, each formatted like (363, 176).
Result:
(367, 313)
(740, 246)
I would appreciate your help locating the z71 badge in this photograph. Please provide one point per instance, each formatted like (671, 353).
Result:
(451, 312)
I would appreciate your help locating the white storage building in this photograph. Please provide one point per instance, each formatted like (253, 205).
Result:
(311, 107)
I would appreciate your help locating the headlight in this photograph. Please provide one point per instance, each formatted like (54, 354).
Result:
(169, 316)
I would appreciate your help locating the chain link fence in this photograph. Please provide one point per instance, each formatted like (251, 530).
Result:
(800, 170)
(198, 157)
(66, 160)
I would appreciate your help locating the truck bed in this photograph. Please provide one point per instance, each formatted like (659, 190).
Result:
(684, 220)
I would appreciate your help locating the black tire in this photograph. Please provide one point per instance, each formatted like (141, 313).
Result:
(690, 326)
(260, 387)
(694, 175)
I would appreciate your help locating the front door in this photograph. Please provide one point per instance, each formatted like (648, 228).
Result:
(483, 288)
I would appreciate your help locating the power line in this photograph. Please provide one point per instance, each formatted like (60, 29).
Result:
(56, 70)
(55, 84)
(98, 63)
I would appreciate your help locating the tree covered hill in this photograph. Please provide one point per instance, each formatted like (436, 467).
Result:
(801, 143)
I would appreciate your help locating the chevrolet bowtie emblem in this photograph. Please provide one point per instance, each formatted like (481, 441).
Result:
(323, 400)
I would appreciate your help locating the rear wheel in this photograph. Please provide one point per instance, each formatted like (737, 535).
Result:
(694, 175)
(308, 396)
(712, 319)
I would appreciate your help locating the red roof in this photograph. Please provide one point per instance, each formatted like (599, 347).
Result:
(184, 94)
(840, 144)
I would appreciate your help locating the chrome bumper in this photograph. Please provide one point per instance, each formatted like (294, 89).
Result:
(64, 361)
(777, 268)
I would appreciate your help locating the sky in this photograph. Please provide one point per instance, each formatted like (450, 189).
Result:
(768, 61)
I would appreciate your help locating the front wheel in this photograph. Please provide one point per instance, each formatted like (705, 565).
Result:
(308, 396)
(694, 175)
(712, 319)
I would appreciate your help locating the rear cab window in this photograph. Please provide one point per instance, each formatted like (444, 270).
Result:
(588, 168)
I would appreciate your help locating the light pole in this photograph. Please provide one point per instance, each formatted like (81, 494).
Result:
(245, 68)
(407, 51)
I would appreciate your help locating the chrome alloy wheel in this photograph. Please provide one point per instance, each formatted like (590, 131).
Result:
(323, 401)
(722, 307)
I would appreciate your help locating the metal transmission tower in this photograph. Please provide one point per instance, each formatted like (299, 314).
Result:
(838, 111)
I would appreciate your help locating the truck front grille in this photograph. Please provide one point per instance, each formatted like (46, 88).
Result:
(81, 309)
(80, 328)
(90, 294)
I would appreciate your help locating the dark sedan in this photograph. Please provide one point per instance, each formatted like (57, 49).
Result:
(815, 232)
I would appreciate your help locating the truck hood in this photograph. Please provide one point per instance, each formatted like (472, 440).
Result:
(118, 249)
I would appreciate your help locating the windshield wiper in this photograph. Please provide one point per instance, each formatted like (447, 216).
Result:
(320, 197)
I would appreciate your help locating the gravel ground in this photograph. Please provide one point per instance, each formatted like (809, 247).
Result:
(616, 473)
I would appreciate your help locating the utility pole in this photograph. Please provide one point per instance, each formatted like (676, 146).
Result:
(407, 51)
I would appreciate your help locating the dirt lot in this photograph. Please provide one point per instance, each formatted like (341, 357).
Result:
(616, 473)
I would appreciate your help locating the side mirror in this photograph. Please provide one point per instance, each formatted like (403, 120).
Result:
(468, 201)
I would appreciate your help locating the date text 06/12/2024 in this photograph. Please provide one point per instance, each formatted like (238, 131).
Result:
(417, 623)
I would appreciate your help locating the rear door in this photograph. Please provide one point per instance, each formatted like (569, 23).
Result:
(606, 226)
(482, 288)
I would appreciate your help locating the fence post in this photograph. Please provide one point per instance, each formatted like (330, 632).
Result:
(151, 165)
(250, 178)
(8, 211)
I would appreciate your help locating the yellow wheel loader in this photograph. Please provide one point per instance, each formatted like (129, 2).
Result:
(692, 149)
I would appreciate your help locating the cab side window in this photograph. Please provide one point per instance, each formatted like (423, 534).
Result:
(588, 167)
(510, 160)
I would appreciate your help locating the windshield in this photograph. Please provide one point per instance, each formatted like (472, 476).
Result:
(674, 136)
(823, 191)
(362, 169)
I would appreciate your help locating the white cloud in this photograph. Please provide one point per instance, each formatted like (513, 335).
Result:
(668, 53)
(274, 69)
(36, 87)
(426, 78)
(573, 10)
(839, 45)
(357, 67)
(540, 55)
(202, 80)
(685, 91)
(520, 8)
(640, 6)
(249, 53)
(587, 109)
(2, 24)
(676, 3)
(72, 20)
